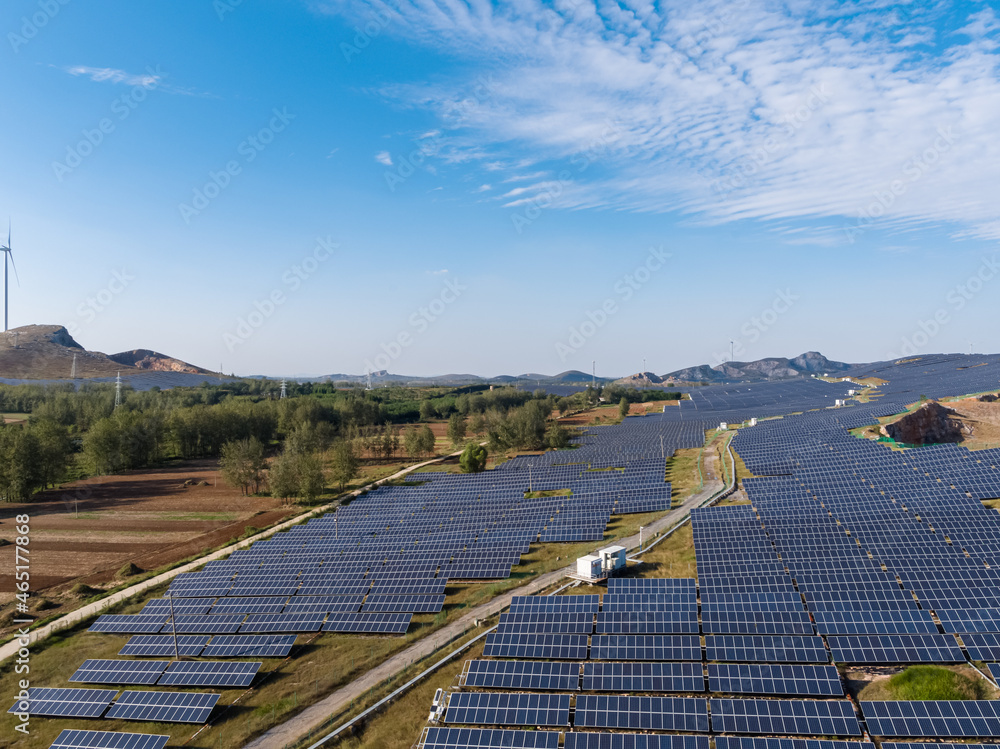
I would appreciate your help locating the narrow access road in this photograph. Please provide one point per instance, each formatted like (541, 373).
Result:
(289, 732)
(91, 609)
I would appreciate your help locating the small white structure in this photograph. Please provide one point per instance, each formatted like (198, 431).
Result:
(723, 425)
(838, 402)
(753, 421)
(590, 567)
(851, 392)
(612, 558)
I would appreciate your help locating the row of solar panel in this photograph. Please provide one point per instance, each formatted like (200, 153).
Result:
(788, 717)
(741, 678)
(254, 623)
(161, 707)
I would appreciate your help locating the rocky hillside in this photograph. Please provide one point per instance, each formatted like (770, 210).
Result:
(151, 361)
(771, 368)
(45, 352)
(931, 424)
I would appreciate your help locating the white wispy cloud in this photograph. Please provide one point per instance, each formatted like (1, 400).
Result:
(383, 158)
(526, 177)
(114, 75)
(152, 78)
(845, 112)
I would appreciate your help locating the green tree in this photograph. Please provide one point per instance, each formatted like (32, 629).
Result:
(623, 407)
(21, 471)
(412, 442)
(557, 436)
(54, 449)
(427, 440)
(344, 463)
(312, 477)
(242, 464)
(473, 458)
(456, 429)
(427, 410)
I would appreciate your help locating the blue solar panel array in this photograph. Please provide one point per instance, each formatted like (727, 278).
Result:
(849, 552)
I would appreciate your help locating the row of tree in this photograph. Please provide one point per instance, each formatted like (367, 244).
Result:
(32, 458)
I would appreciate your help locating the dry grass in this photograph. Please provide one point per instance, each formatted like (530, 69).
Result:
(683, 474)
(398, 726)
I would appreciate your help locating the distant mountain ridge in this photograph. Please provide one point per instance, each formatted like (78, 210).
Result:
(45, 352)
(770, 368)
(570, 377)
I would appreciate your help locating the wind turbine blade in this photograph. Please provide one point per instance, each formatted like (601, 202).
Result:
(11, 255)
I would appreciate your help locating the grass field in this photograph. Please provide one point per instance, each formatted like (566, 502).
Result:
(929, 683)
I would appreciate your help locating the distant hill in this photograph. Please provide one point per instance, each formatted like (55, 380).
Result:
(45, 352)
(151, 361)
(526, 380)
(771, 368)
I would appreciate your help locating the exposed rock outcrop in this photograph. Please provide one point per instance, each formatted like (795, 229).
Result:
(931, 424)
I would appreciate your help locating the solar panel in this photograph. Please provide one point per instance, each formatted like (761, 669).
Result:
(969, 620)
(425, 604)
(249, 646)
(100, 671)
(809, 717)
(164, 707)
(915, 621)
(589, 603)
(541, 675)
(646, 647)
(251, 605)
(982, 646)
(282, 623)
(386, 624)
(188, 646)
(439, 737)
(933, 718)
(924, 745)
(207, 624)
(71, 738)
(756, 622)
(758, 742)
(210, 674)
(508, 709)
(539, 622)
(65, 703)
(647, 622)
(128, 623)
(633, 741)
(766, 648)
(895, 649)
(643, 677)
(758, 678)
(536, 646)
(644, 713)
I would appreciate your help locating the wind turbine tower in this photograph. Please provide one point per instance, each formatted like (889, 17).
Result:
(8, 254)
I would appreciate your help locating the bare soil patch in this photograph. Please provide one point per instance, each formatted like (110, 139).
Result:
(88, 530)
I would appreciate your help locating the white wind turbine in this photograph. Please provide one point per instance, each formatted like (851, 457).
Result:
(8, 254)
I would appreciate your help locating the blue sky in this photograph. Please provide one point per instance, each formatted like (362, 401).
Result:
(309, 187)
